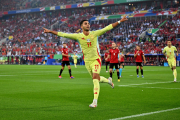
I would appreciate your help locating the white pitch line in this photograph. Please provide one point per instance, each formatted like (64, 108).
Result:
(162, 88)
(7, 75)
(146, 83)
(144, 114)
(156, 87)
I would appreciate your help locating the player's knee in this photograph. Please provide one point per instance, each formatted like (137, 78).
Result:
(117, 70)
(174, 67)
(96, 76)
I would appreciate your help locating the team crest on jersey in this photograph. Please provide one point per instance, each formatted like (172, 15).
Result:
(88, 40)
(83, 38)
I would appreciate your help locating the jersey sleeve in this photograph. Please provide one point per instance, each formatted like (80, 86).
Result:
(73, 36)
(102, 31)
(175, 48)
(142, 53)
(164, 50)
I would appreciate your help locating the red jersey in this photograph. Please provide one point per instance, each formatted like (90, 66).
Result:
(65, 51)
(114, 55)
(106, 55)
(139, 57)
(122, 59)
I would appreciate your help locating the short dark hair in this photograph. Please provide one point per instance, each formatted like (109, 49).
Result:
(168, 40)
(64, 43)
(138, 45)
(82, 22)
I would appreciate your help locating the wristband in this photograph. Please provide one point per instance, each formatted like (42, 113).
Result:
(119, 22)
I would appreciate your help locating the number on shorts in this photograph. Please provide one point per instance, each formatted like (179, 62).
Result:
(96, 66)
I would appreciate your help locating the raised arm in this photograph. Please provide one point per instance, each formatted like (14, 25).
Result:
(118, 22)
(62, 34)
(109, 27)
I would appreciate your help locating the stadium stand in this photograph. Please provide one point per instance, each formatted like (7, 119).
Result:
(26, 37)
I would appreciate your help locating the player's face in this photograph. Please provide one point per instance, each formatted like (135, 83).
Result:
(169, 43)
(107, 51)
(114, 45)
(85, 26)
(137, 47)
(64, 45)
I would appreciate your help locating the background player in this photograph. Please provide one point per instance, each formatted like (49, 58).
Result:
(65, 60)
(75, 60)
(121, 63)
(139, 57)
(170, 56)
(107, 60)
(113, 54)
(89, 45)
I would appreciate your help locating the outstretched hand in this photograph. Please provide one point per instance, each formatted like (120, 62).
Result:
(46, 30)
(124, 18)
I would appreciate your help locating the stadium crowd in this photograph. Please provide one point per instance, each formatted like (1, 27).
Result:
(29, 38)
(9, 5)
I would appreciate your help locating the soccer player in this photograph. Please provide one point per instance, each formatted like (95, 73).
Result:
(121, 63)
(108, 60)
(75, 60)
(90, 48)
(139, 54)
(170, 56)
(65, 60)
(113, 53)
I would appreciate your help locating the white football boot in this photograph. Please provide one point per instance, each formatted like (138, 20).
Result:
(110, 82)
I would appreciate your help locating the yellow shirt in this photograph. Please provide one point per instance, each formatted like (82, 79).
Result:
(75, 57)
(89, 44)
(170, 51)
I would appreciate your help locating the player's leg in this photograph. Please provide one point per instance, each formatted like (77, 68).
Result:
(75, 62)
(120, 70)
(96, 68)
(107, 66)
(69, 68)
(123, 64)
(174, 70)
(111, 69)
(117, 69)
(137, 70)
(62, 68)
(141, 67)
(114, 69)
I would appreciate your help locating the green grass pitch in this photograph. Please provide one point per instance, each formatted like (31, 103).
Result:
(36, 93)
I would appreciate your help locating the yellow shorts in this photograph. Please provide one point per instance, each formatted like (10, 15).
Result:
(93, 66)
(172, 62)
(75, 61)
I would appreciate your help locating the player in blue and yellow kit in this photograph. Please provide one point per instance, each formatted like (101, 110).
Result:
(170, 56)
(88, 41)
